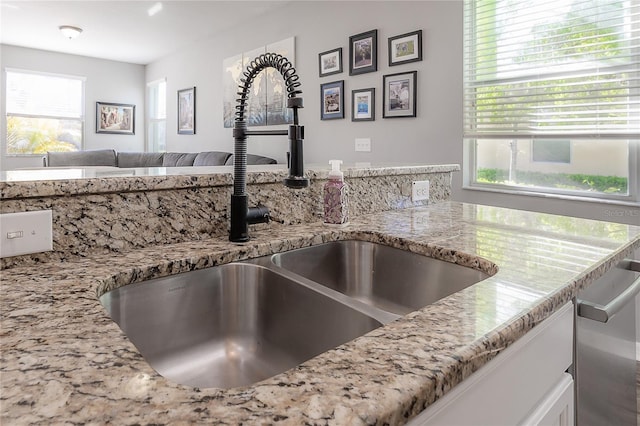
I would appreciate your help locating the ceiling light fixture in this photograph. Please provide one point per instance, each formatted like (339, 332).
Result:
(70, 32)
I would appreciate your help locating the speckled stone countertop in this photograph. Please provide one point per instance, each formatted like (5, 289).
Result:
(51, 181)
(64, 361)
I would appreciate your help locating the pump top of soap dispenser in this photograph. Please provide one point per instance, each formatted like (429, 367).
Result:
(335, 172)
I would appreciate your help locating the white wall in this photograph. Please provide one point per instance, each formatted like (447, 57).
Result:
(433, 137)
(106, 81)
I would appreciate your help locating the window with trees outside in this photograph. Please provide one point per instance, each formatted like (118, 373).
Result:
(44, 112)
(552, 97)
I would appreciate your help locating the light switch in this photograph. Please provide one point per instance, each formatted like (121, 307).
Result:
(26, 232)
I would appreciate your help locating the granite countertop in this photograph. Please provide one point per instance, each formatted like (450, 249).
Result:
(64, 361)
(51, 181)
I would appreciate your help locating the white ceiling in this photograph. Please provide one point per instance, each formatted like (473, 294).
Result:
(122, 30)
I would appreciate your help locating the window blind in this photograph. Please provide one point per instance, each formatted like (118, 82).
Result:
(43, 95)
(157, 99)
(157, 113)
(552, 68)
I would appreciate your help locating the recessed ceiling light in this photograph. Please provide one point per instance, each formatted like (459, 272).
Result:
(154, 9)
(70, 32)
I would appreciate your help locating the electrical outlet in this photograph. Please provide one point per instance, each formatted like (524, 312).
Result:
(26, 232)
(420, 190)
(363, 144)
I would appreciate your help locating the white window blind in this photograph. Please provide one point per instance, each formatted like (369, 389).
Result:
(157, 91)
(157, 115)
(43, 95)
(552, 69)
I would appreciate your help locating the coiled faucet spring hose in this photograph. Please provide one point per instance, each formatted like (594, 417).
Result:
(255, 67)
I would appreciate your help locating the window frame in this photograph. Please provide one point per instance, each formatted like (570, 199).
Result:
(470, 150)
(7, 114)
(632, 198)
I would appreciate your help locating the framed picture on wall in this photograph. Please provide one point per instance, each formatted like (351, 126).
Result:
(187, 111)
(330, 62)
(405, 48)
(399, 95)
(119, 119)
(363, 104)
(332, 100)
(363, 52)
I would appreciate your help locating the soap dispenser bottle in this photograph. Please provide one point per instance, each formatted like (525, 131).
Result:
(336, 209)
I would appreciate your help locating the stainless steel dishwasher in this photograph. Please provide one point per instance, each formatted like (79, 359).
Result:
(605, 351)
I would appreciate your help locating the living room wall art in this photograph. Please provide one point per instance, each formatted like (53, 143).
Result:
(363, 52)
(187, 111)
(267, 102)
(330, 62)
(332, 100)
(399, 95)
(115, 118)
(363, 102)
(405, 48)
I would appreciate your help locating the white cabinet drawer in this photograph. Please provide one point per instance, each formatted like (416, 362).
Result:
(508, 387)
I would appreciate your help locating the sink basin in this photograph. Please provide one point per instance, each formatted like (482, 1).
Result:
(230, 325)
(391, 279)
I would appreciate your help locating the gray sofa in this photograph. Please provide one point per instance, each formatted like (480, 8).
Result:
(111, 158)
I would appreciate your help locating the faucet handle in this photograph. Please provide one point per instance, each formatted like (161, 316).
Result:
(258, 214)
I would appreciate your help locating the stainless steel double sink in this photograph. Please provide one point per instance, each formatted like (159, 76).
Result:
(240, 323)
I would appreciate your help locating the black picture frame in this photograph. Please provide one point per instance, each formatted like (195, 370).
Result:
(187, 111)
(115, 119)
(330, 62)
(405, 48)
(332, 100)
(399, 98)
(363, 104)
(363, 53)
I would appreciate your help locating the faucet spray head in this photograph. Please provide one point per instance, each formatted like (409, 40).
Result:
(296, 179)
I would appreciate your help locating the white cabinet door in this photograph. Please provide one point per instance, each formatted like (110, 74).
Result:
(556, 409)
(509, 387)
